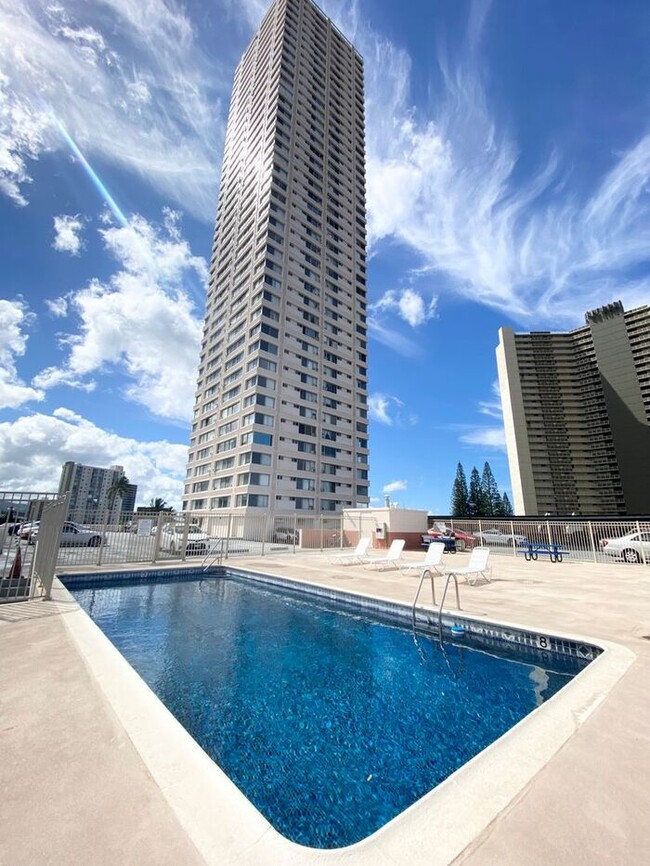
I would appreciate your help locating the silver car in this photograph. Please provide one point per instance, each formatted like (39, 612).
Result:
(633, 547)
(171, 539)
(73, 535)
(495, 536)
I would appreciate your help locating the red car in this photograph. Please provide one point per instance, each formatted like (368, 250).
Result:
(458, 534)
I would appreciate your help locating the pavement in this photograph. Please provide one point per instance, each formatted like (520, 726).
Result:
(87, 776)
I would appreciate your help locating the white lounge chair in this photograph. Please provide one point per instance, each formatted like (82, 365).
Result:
(476, 567)
(431, 561)
(392, 557)
(356, 556)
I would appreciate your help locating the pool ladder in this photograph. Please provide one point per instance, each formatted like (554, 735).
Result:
(213, 554)
(433, 595)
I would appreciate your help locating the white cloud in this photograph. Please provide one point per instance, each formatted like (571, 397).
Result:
(446, 182)
(67, 231)
(391, 338)
(129, 82)
(409, 305)
(489, 437)
(34, 447)
(57, 306)
(142, 322)
(390, 410)
(394, 486)
(14, 318)
(492, 407)
(23, 137)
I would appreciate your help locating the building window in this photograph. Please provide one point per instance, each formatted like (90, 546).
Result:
(254, 500)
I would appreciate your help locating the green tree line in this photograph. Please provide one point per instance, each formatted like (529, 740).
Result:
(481, 498)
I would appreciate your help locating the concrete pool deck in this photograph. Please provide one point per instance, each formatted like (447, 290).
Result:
(76, 788)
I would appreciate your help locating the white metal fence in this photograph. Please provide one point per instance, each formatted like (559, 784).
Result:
(582, 540)
(18, 509)
(203, 537)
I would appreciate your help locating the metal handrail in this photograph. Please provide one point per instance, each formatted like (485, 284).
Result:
(444, 595)
(425, 571)
(212, 554)
(428, 571)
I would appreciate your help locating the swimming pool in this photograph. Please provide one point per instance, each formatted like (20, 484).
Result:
(331, 718)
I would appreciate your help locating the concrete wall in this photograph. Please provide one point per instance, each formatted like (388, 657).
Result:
(406, 523)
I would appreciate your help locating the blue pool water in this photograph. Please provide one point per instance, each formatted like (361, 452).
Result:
(329, 721)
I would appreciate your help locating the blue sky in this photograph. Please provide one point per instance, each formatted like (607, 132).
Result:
(508, 184)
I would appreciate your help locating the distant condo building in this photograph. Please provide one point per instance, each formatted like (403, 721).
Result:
(576, 410)
(88, 489)
(280, 418)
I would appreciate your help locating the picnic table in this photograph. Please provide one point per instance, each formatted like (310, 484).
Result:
(554, 551)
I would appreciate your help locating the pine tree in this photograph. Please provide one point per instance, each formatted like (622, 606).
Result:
(506, 506)
(459, 495)
(498, 506)
(490, 491)
(476, 504)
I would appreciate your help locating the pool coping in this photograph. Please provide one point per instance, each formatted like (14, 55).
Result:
(459, 809)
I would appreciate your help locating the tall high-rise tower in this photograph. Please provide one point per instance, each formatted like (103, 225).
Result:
(576, 410)
(280, 418)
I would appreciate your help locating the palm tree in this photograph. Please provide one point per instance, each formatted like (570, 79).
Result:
(157, 505)
(120, 487)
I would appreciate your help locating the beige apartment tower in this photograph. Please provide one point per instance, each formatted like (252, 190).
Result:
(576, 410)
(280, 419)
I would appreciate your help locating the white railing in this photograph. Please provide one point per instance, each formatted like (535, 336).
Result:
(190, 536)
(18, 509)
(586, 540)
(163, 537)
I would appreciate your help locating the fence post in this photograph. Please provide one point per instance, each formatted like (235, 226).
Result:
(103, 541)
(638, 529)
(265, 530)
(514, 540)
(593, 543)
(548, 533)
(228, 535)
(321, 532)
(156, 540)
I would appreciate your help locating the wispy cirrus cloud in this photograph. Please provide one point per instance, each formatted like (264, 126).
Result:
(446, 182)
(492, 407)
(129, 81)
(390, 410)
(394, 486)
(487, 435)
(142, 323)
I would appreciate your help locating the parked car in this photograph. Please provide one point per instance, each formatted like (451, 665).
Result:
(286, 535)
(72, 535)
(171, 539)
(28, 529)
(458, 534)
(495, 536)
(630, 548)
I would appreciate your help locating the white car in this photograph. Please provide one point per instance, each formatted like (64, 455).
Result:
(630, 548)
(495, 536)
(171, 539)
(72, 535)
